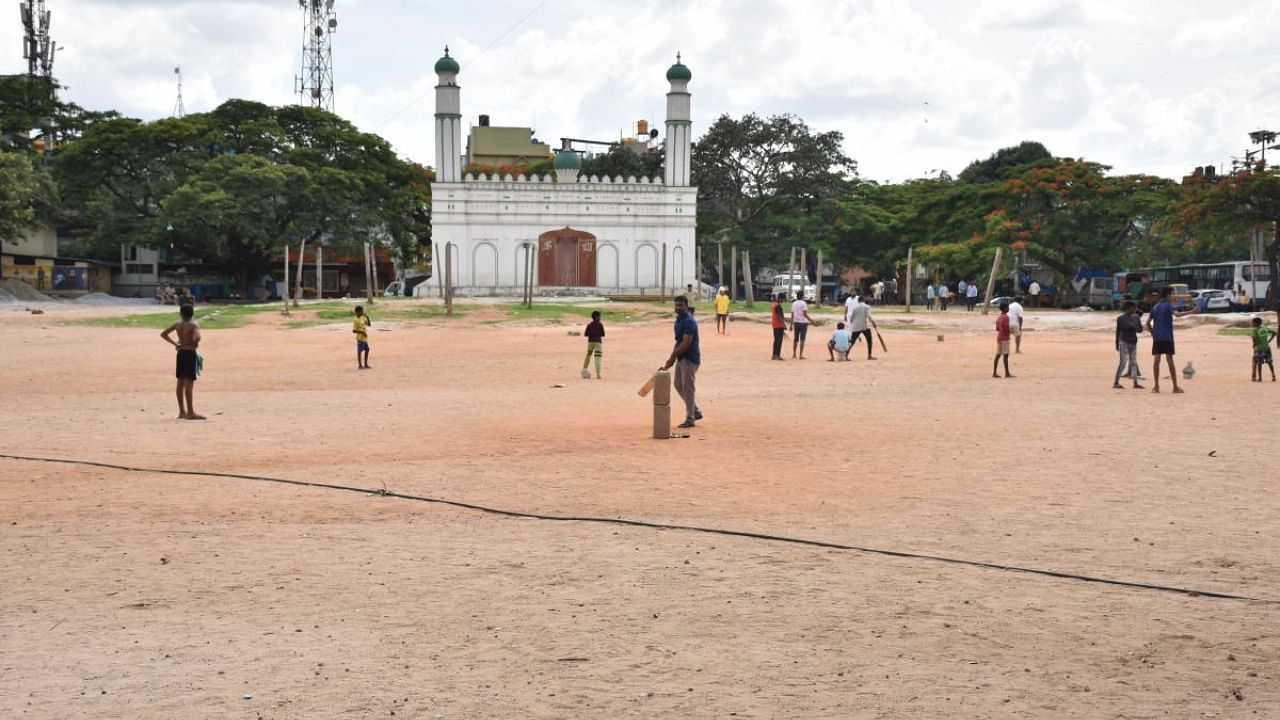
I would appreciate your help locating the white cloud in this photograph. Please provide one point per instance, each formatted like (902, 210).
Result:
(914, 86)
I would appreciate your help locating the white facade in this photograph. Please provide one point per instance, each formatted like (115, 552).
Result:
(584, 235)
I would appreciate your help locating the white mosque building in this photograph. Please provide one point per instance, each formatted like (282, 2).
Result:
(585, 235)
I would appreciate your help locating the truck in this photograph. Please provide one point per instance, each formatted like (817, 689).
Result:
(789, 284)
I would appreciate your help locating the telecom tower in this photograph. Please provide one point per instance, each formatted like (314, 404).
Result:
(37, 48)
(178, 108)
(319, 23)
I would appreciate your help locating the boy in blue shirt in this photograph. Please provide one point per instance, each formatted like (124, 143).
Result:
(1160, 325)
(687, 358)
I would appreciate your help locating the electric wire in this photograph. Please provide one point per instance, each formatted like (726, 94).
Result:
(383, 492)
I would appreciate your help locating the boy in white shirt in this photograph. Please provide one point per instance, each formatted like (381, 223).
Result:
(1015, 323)
(799, 324)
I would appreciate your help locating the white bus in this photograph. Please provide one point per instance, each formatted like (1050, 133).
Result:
(1249, 278)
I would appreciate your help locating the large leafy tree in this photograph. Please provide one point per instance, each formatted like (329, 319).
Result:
(232, 185)
(25, 194)
(1224, 216)
(769, 184)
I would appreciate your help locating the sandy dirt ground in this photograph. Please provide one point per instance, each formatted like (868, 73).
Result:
(145, 595)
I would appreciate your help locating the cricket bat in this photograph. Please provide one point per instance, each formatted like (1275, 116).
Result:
(646, 388)
(881, 339)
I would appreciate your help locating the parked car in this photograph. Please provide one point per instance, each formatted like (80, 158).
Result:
(1214, 300)
(790, 285)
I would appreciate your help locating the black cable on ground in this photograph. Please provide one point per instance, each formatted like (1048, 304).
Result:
(665, 526)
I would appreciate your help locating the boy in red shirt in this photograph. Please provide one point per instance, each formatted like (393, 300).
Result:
(1002, 342)
(779, 321)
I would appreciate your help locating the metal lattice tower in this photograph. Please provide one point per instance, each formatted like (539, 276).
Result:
(178, 108)
(37, 48)
(319, 23)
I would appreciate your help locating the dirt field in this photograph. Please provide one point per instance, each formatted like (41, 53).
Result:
(143, 595)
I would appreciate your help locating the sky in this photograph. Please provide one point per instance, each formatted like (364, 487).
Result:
(915, 86)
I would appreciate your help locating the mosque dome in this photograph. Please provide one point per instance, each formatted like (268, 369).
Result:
(679, 71)
(568, 160)
(447, 64)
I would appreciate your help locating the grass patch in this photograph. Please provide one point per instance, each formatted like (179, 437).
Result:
(1233, 331)
(210, 318)
(557, 313)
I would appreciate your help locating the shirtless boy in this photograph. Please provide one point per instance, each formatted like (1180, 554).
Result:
(187, 343)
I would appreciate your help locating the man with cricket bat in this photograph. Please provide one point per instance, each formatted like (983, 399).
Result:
(860, 324)
(686, 357)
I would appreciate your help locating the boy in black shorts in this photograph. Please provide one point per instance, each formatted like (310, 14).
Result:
(188, 364)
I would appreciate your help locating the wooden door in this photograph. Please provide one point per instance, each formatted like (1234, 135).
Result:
(566, 261)
(586, 263)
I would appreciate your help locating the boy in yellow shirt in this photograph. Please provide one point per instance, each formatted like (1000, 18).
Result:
(360, 326)
(722, 311)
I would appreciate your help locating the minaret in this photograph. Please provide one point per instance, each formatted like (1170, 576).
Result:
(678, 126)
(448, 121)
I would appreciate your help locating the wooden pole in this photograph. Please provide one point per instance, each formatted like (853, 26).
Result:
(733, 272)
(285, 295)
(991, 281)
(747, 278)
(368, 276)
(907, 284)
(297, 289)
(437, 269)
(819, 292)
(373, 269)
(319, 270)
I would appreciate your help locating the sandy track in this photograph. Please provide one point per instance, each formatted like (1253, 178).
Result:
(325, 604)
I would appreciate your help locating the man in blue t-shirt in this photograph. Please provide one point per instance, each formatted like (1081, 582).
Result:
(686, 357)
(1160, 325)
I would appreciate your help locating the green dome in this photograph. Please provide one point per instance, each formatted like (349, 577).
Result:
(568, 160)
(679, 71)
(447, 64)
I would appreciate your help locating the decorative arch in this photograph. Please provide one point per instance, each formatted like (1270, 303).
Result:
(484, 264)
(677, 269)
(646, 265)
(607, 266)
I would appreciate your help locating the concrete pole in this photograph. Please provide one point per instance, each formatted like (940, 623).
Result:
(907, 284)
(819, 293)
(747, 278)
(664, 271)
(448, 280)
(285, 295)
(791, 271)
(297, 288)
(319, 270)
(804, 269)
(368, 275)
(436, 268)
(991, 281)
(719, 265)
(373, 269)
(733, 272)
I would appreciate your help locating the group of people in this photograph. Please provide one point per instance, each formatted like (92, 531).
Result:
(167, 294)
(941, 295)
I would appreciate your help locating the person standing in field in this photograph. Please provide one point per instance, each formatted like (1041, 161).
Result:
(971, 296)
(799, 324)
(1002, 342)
(595, 344)
(687, 358)
(1261, 335)
(188, 362)
(858, 327)
(943, 294)
(1015, 323)
(1160, 325)
(722, 311)
(778, 319)
(850, 302)
(1128, 325)
(1034, 291)
(928, 296)
(360, 326)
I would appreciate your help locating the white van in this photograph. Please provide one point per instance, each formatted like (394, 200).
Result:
(788, 284)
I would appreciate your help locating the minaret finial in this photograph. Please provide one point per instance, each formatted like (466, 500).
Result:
(446, 51)
(677, 57)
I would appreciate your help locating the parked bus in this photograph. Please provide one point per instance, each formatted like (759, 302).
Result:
(1250, 279)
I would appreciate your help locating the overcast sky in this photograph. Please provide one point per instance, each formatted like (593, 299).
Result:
(916, 86)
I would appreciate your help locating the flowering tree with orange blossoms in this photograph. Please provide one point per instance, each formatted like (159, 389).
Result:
(1225, 214)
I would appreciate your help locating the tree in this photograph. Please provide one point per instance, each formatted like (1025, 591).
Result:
(623, 161)
(229, 186)
(1226, 213)
(26, 192)
(1005, 163)
(769, 184)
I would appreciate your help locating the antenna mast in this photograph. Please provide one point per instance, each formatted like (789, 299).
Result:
(178, 108)
(319, 23)
(37, 48)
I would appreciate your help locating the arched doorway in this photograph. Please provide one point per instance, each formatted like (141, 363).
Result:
(567, 258)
